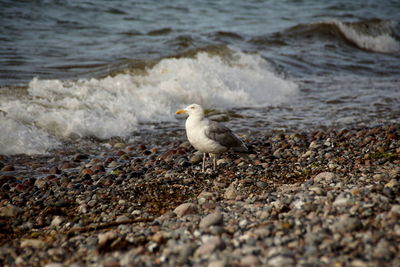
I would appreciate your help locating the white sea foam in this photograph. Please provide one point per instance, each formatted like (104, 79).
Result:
(17, 138)
(382, 43)
(114, 106)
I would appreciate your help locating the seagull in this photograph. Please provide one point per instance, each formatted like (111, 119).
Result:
(209, 136)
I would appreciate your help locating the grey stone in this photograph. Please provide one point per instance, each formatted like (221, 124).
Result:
(215, 218)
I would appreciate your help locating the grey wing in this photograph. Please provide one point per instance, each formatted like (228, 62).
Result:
(224, 136)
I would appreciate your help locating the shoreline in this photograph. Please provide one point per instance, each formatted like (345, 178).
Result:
(319, 198)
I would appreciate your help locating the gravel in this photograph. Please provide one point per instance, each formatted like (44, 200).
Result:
(322, 198)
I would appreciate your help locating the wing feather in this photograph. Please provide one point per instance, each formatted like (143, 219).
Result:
(224, 136)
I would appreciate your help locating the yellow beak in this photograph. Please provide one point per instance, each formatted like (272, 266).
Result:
(180, 111)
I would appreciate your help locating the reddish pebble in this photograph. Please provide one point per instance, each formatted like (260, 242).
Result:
(98, 168)
(141, 147)
(54, 170)
(121, 153)
(391, 136)
(8, 168)
(67, 165)
(22, 188)
(108, 160)
(50, 177)
(87, 171)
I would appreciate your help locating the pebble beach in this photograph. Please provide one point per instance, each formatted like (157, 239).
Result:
(320, 198)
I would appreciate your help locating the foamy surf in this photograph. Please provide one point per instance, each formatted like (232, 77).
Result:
(56, 110)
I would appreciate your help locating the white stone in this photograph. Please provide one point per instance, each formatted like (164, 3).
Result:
(34, 243)
(57, 221)
(185, 209)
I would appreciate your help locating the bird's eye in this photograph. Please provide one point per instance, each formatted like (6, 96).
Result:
(192, 107)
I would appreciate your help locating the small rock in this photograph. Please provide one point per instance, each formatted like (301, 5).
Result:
(57, 221)
(343, 201)
(34, 243)
(54, 170)
(222, 162)
(392, 183)
(395, 209)
(122, 218)
(313, 144)
(196, 158)
(185, 252)
(217, 263)
(8, 168)
(54, 264)
(307, 154)
(383, 250)
(92, 203)
(185, 209)
(9, 211)
(212, 244)
(317, 190)
(358, 263)
(83, 208)
(230, 192)
(345, 223)
(249, 260)
(160, 237)
(281, 260)
(215, 218)
(40, 183)
(105, 237)
(326, 177)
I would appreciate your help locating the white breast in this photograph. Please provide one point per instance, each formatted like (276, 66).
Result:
(195, 130)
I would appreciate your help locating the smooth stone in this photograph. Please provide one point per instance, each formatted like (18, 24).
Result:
(185, 252)
(34, 243)
(345, 223)
(383, 250)
(196, 158)
(105, 237)
(342, 201)
(250, 260)
(392, 183)
(57, 221)
(160, 237)
(280, 261)
(212, 244)
(230, 192)
(9, 211)
(8, 168)
(122, 218)
(40, 183)
(215, 218)
(395, 209)
(55, 170)
(327, 177)
(217, 263)
(358, 263)
(186, 209)
(54, 264)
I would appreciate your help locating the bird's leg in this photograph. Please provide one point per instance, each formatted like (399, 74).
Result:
(204, 162)
(214, 161)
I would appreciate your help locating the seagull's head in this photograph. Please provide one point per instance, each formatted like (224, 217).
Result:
(192, 110)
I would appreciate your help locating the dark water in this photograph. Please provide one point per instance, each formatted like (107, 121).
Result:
(73, 69)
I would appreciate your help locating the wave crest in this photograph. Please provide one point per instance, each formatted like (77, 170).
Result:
(375, 35)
